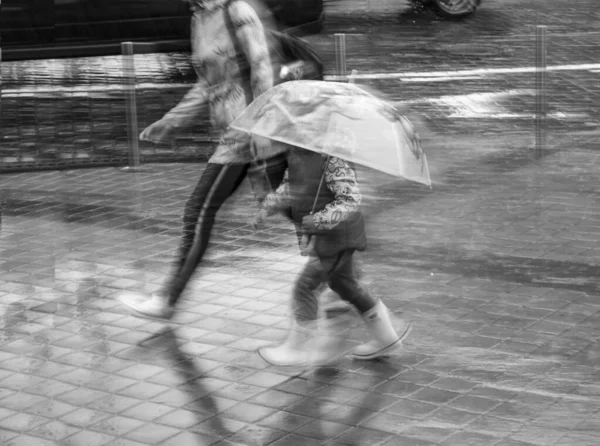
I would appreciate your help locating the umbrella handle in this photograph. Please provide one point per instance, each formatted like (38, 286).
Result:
(307, 243)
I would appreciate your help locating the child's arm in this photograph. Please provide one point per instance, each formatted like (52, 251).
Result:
(341, 180)
(274, 202)
(278, 199)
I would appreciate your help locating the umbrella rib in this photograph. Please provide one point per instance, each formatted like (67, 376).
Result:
(283, 110)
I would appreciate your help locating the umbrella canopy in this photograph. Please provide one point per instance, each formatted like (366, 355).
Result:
(341, 120)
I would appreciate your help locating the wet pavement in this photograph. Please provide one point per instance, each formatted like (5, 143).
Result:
(497, 267)
(65, 112)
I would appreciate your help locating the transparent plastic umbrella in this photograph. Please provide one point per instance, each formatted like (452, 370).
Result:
(341, 120)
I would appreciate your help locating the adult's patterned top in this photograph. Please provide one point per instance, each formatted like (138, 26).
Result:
(221, 28)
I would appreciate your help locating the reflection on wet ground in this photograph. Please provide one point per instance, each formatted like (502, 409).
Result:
(496, 267)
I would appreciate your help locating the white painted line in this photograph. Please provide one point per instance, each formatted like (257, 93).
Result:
(409, 76)
(474, 72)
(558, 116)
(84, 90)
(482, 105)
(439, 79)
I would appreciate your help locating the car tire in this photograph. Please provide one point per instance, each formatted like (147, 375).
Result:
(455, 9)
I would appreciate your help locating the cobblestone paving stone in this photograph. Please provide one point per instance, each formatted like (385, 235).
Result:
(497, 267)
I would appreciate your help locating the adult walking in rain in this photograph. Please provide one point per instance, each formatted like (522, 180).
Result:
(224, 32)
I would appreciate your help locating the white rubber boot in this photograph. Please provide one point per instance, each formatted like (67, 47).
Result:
(330, 341)
(386, 339)
(294, 351)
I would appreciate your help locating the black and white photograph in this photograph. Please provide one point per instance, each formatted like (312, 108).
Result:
(299, 223)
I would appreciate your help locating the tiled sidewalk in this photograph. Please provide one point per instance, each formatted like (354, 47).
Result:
(497, 267)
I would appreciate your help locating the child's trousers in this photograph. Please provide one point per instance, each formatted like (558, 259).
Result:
(338, 272)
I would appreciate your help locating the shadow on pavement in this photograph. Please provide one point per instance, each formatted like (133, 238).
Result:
(191, 377)
(328, 424)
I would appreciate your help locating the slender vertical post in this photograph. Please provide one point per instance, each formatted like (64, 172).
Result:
(541, 101)
(340, 54)
(130, 104)
(0, 83)
(1, 191)
(352, 79)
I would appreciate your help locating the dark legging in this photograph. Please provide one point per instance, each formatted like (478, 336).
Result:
(339, 273)
(217, 183)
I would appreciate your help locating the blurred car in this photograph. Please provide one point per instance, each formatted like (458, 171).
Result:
(452, 9)
(32, 29)
(39, 28)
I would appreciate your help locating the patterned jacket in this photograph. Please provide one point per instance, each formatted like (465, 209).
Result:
(340, 179)
(221, 28)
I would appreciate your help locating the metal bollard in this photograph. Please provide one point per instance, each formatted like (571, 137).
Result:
(0, 82)
(541, 100)
(130, 105)
(0, 85)
(340, 54)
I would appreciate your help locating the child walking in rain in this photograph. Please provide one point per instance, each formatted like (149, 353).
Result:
(337, 230)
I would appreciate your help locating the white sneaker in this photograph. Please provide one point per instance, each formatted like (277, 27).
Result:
(153, 306)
